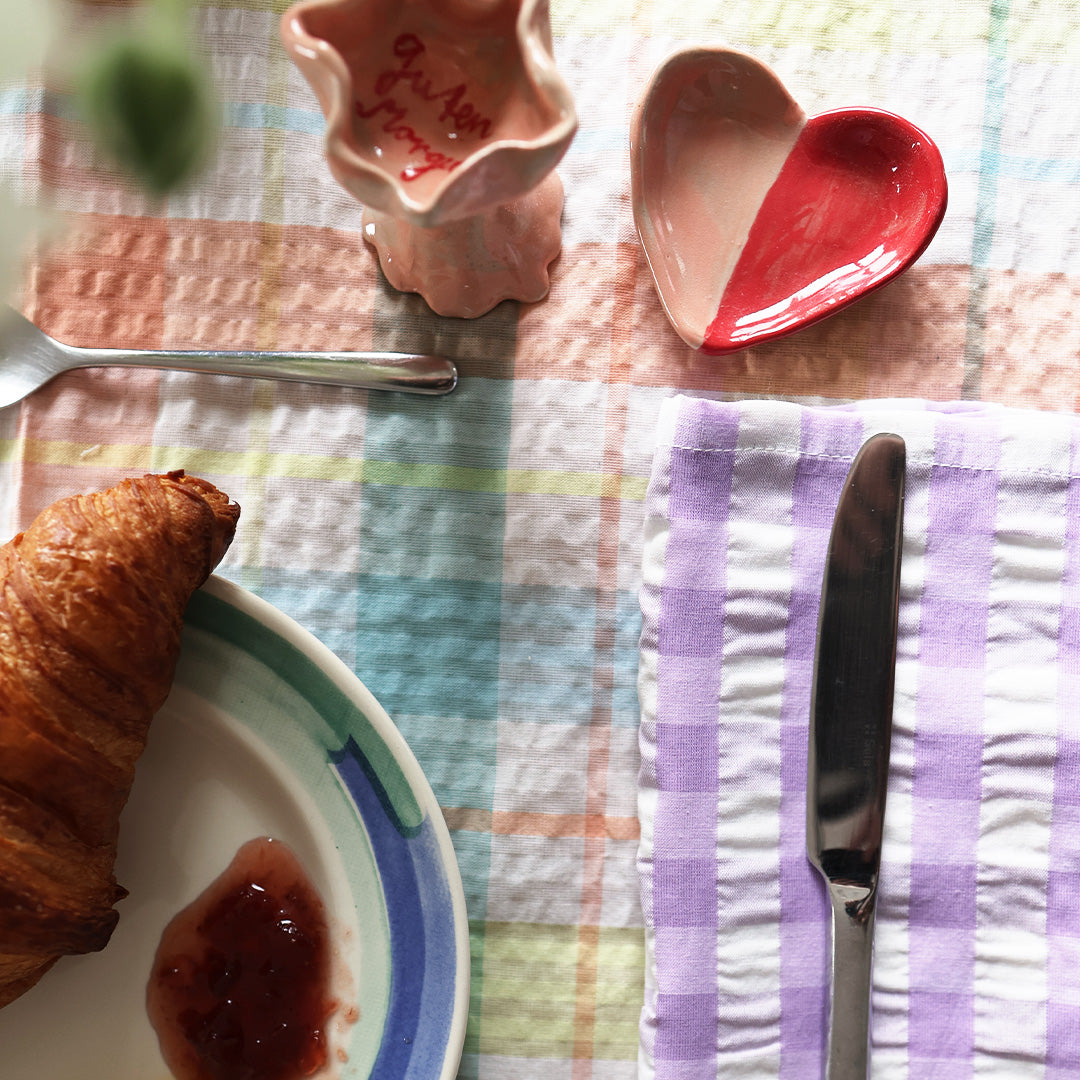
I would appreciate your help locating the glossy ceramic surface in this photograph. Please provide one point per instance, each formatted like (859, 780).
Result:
(443, 118)
(466, 267)
(267, 733)
(757, 220)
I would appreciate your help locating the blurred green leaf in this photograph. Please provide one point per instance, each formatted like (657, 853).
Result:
(149, 105)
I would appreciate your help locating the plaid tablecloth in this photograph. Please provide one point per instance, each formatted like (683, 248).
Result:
(477, 559)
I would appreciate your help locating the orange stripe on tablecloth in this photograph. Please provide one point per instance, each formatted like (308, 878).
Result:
(607, 560)
(327, 291)
(271, 258)
(585, 1001)
(122, 280)
(117, 279)
(1030, 353)
(101, 285)
(904, 340)
(227, 276)
(536, 823)
(214, 273)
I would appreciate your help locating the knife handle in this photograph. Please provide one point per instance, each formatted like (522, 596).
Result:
(848, 1049)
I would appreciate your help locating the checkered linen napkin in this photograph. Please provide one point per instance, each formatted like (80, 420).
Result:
(977, 970)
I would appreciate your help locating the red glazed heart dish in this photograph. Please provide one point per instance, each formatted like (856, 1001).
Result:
(756, 220)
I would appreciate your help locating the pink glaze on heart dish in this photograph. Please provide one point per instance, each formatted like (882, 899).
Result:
(757, 221)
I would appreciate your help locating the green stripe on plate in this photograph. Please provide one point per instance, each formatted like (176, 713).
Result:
(342, 715)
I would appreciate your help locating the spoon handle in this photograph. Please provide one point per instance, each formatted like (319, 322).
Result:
(410, 373)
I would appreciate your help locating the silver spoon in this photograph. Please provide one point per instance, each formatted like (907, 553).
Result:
(29, 358)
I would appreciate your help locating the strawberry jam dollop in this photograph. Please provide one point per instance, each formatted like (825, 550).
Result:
(240, 987)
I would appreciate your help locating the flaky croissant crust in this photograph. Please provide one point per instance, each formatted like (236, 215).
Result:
(92, 597)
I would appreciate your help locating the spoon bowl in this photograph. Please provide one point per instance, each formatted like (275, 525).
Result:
(30, 358)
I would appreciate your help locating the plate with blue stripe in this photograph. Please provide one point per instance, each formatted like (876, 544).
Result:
(268, 733)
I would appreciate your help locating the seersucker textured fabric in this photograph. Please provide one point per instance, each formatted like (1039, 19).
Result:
(476, 560)
(977, 970)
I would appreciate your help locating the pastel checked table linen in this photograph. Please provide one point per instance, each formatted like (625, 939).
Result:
(477, 560)
(977, 967)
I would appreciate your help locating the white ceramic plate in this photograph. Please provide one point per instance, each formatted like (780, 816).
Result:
(267, 733)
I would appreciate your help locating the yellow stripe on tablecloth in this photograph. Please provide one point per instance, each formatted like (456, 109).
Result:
(551, 482)
(53, 452)
(529, 997)
(920, 28)
(324, 467)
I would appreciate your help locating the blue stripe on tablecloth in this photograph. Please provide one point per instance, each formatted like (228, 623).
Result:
(428, 650)
(988, 160)
(429, 636)
(316, 599)
(430, 646)
(625, 707)
(588, 142)
(548, 655)
(450, 599)
(552, 676)
(986, 197)
(1048, 170)
(441, 696)
(19, 100)
(257, 115)
(990, 155)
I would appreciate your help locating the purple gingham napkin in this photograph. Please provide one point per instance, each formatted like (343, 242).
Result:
(977, 969)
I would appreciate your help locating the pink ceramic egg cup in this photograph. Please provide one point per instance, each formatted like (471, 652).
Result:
(446, 119)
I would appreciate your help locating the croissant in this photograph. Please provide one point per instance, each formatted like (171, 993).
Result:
(92, 597)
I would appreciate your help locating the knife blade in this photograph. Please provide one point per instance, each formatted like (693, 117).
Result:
(851, 731)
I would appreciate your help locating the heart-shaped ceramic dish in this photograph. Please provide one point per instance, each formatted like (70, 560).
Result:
(757, 220)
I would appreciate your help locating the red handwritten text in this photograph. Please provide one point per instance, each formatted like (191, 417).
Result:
(410, 80)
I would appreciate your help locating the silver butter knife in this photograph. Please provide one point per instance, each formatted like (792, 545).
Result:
(851, 729)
